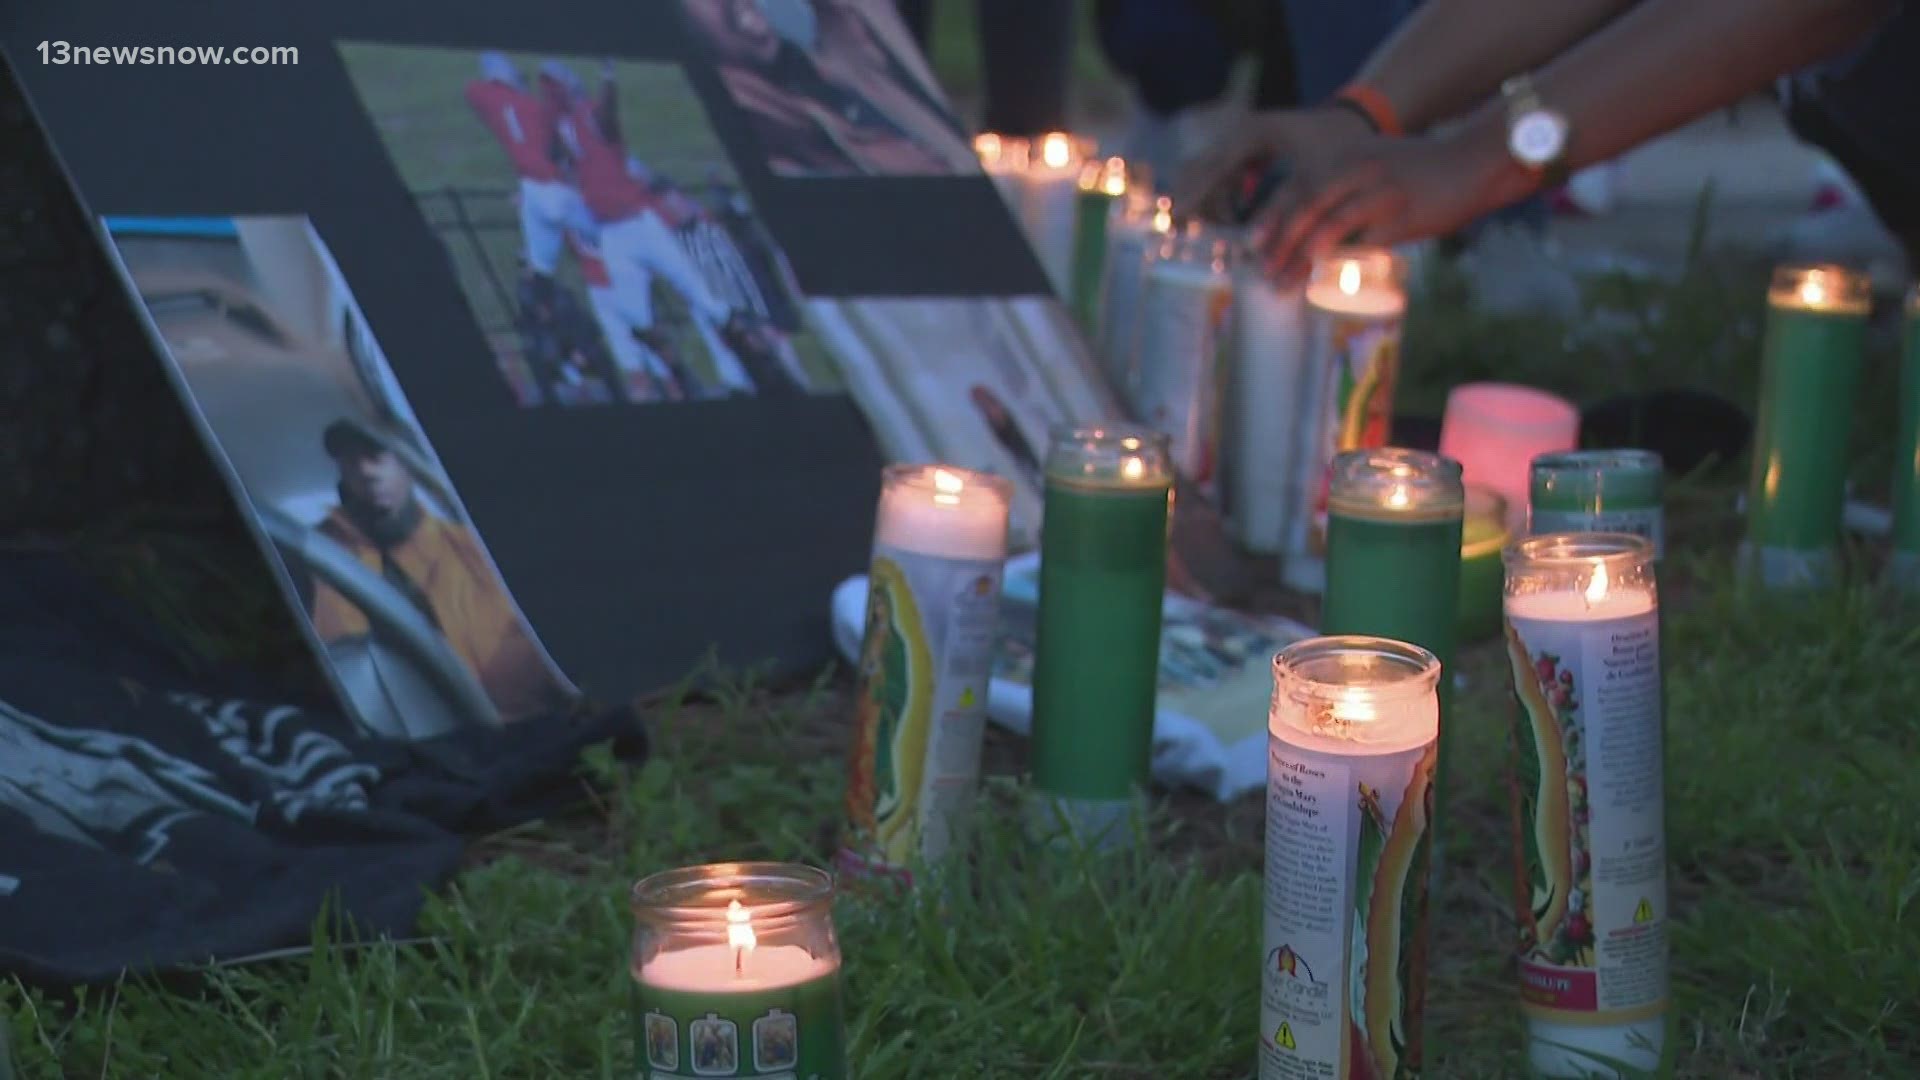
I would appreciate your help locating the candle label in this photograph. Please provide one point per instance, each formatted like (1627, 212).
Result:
(1357, 402)
(1345, 926)
(1589, 836)
(788, 1034)
(920, 706)
(1183, 332)
(1648, 523)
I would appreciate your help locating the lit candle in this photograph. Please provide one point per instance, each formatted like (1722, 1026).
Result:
(736, 972)
(1598, 491)
(1103, 572)
(1104, 187)
(1810, 368)
(1263, 406)
(1482, 539)
(1357, 303)
(1185, 301)
(1394, 521)
(933, 602)
(1052, 203)
(1904, 569)
(1494, 430)
(1352, 747)
(1135, 232)
(1583, 639)
(1004, 158)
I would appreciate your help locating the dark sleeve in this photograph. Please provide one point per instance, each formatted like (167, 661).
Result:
(606, 111)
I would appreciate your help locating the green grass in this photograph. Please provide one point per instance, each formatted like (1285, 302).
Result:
(1792, 819)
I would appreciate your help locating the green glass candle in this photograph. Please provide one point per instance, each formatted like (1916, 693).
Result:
(1610, 491)
(736, 972)
(1905, 567)
(1483, 537)
(1104, 186)
(1103, 572)
(1816, 326)
(1394, 524)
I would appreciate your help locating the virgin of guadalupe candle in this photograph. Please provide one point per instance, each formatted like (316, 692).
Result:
(1132, 235)
(1394, 522)
(1810, 369)
(1353, 737)
(1904, 570)
(1263, 407)
(1598, 491)
(933, 600)
(1052, 203)
(1184, 306)
(1103, 574)
(1104, 185)
(1357, 302)
(736, 972)
(1590, 865)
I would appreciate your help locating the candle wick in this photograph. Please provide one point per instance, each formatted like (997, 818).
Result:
(739, 961)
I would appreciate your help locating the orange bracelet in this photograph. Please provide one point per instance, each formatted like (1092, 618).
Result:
(1374, 106)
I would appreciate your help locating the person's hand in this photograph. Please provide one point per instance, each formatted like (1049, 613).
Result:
(1385, 191)
(1212, 183)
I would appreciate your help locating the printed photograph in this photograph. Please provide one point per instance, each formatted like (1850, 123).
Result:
(598, 230)
(663, 1041)
(264, 335)
(832, 87)
(977, 382)
(776, 1041)
(716, 1046)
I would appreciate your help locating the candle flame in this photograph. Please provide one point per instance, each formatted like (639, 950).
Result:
(1350, 277)
(1133, 468)
(1813, 291)
(1350, 709)
(1398, 497)
(1114, 178)
(1163, 214)
(1130, 443)
(947, 487)
(1597, 588)
(987, 145)
(1056, 149)
(739, 927)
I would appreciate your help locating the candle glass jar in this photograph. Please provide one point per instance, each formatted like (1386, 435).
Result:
(1904, 568)
(1810, 371)
(1356, 299)
(1352, 738)
(1184, 307)
(1103, 566)
(736, 972)
(1598, 491)
(1483, 537)
(1264, 406)
(1104, 187)
(933, 604)
(1132, 236)
(1587, 791)
(1494, 430)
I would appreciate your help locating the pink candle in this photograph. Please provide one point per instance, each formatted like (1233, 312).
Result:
(1494, 430)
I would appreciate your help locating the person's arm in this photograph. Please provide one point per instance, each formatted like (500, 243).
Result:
(1450, 55)
(1654, 69)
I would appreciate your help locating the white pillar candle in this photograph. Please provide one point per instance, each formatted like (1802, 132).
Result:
(1357, 301)
(1583, 641)
(1052, 203)
(1185, 301)
(1131, 237)
(933, 604)
(1353, 735)
(1495, 430)
(1264, 408)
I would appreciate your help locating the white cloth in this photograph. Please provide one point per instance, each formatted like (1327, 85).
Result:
(617, 325)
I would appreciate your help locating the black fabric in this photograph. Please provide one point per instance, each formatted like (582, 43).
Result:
(151, 820)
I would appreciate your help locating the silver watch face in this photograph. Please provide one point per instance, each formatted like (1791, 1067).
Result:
(1538, 137)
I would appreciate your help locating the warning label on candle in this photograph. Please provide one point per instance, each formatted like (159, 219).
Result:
(1587, 793)
(1344, 926)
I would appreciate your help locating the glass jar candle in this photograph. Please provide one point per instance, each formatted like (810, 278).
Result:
(1810, 371)
(736, 972)
(1904, 569)
(1185, 301)
(1104, 187)
(1587, 790)
(1598, 491)
(1103, 574)
(1352, 748)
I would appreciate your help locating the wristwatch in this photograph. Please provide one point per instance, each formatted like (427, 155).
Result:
(1536, 134)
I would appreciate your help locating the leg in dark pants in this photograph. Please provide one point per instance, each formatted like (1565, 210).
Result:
(1026, 51)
